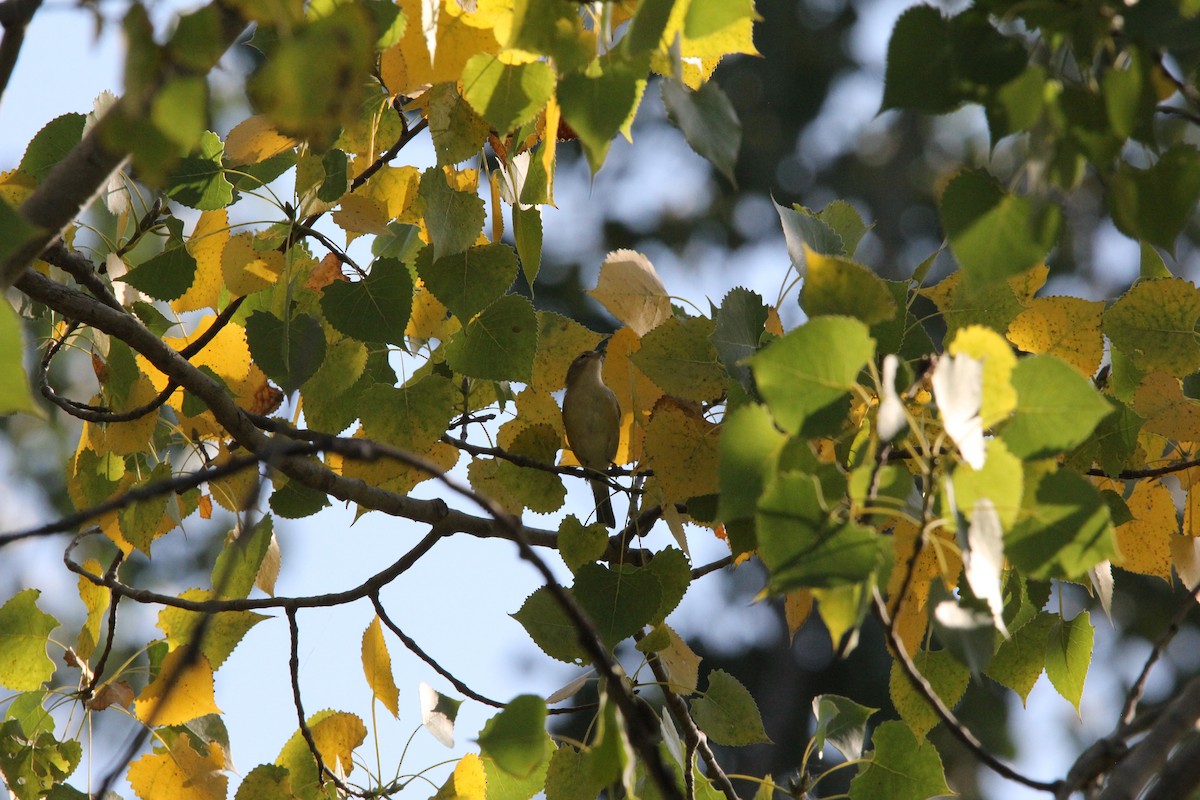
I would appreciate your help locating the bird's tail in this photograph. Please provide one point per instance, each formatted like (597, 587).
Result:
(604, 509)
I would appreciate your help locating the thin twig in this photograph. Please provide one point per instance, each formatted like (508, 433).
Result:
(305, 731)
(1129, 709)
(14, 16)
(956, 728)
(113, 599)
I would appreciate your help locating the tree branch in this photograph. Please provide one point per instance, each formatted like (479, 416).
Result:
(14, 16)
(1146, 758)
(73, 182)
(956, 728)
(1139, 686)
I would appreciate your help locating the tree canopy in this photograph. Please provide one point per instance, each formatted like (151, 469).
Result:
(934, 457)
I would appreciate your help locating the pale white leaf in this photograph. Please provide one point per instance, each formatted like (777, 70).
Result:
(671, 738)
(1102, 584)
(631, 289)
(1185, 554)
(437, 713)
(512, 181)
(572, 688)
(983, 559)
(890, 419)
(958, 389)
(430, 10)
(268, 568)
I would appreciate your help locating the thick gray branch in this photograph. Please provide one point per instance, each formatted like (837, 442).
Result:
(1147, 757)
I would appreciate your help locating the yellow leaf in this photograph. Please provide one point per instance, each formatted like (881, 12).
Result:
(984, 344)
(247, 270)
(15, 186)
(180, 773)
(268, 570)
(396, 188)
(1168, 412)
(254, 139)
(406, 66)
(681, 448)
(95, 600)
(533, 408)
(630, 288)
(233, 492)
(361, 214)
(774, 324)
(1191, 512)
(1067, 327)
(797, 607)
(1145, 541)
(636, 393)
(377, 666)
(560, 340)
(228, 356)
(430, 319)
(126, 438)
(336, 737)
(938, 556)
(553, 114)
(207, 245)
(181, 692)
(681, 663)
(467, 782)
(396, 477)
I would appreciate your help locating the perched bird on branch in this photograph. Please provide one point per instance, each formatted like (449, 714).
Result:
(592, 419)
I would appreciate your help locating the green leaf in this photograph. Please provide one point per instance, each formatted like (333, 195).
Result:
(1065, 528)
(198, 41)
(14, 389)
(1019, 660)
(32, 765)
(515, 738)
(551, 28)
(1068, 655)
(470, 281)
(597, 105)
(738, 326)
(165, 276)
(902, 767)
(546, 623)
(805, 376)
(750, 444)
(842, 723)
(503, 785)
(1154, 324)
(571, 775)
(266, 782)
(516, 487)
(498, 344)
(679, 358)
(839, 286)
(51, 144)
(141, 522)
(294, 500)
(993, 234)
(844, 220)
(1001, 480)
(1018, 104)
(920, 63)
(1155, 204)
(802, 228)
(328, 394)
(375, 309)
(289, 352)
(646, 30)
(506, 95)
(458, 133)
(239, 561)
(312, 97)
(1057, 408)
(453, 218)
(727, 713)
(620, 601)
(24, 634)
(708, 120)
(802, 546)
(336, 182)
(527, 233)
(180, 111)
(946, 675)
(222, 632)
(706, 17)
(674, 575)
(580, 544)
(15, 230)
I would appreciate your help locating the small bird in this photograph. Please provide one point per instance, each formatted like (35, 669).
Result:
(592, 419)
